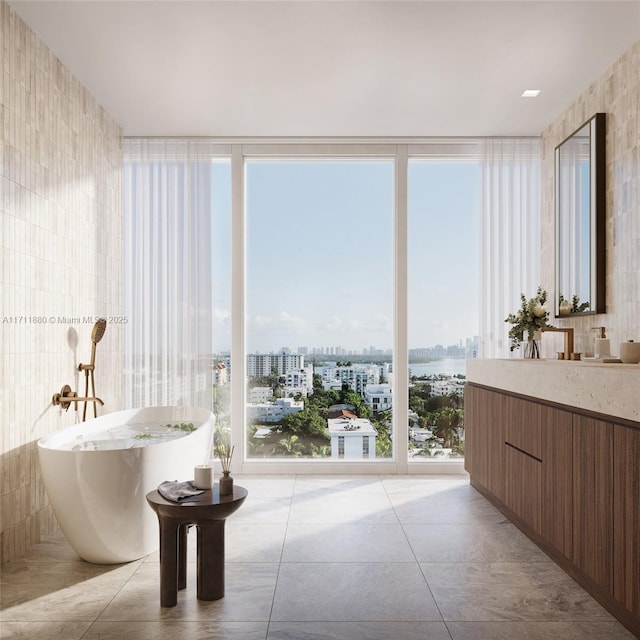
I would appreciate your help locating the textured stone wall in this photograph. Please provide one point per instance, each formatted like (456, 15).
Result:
(616, 93)
(61, 249)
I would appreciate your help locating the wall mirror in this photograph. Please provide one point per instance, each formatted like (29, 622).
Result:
(580, 220)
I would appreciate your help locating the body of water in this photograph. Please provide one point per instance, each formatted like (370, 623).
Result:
(448, 366)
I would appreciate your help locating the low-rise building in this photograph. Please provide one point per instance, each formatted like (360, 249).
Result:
(445, 387)
(352, 438)
(356, 376)
(273, 411)
(299, 381)
(220, 374)
(260, 394)
(378, 397)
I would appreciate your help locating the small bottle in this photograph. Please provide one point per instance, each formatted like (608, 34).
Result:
(602, 347)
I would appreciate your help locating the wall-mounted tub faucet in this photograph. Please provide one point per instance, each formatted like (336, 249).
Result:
(67, 396)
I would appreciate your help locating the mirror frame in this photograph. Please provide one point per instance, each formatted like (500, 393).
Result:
(597, 217)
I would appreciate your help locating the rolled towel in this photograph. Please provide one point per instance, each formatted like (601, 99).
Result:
(178, 491)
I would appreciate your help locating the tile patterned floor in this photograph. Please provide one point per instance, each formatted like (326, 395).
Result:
(323, 558)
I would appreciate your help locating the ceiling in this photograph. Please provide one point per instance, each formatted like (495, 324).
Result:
(334, 68)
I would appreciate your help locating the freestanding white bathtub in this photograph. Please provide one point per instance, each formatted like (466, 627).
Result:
(97, 483)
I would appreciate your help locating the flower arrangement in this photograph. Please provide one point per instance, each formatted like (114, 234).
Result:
(565, 307)
(531, 317)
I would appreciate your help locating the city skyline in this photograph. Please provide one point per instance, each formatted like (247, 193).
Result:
(372, 350)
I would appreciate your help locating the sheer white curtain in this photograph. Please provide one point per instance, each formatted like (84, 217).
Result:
(167, 187)
(510, 235)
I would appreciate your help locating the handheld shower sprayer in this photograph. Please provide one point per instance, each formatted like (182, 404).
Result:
(67, 396)
(96, 335)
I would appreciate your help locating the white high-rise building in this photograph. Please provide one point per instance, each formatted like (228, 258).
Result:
(264, 364)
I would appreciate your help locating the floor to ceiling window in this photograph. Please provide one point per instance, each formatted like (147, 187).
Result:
(443, 218)
(321, 297)
(319, 309)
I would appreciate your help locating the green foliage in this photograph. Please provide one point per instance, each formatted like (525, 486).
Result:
(187, 427)
(531, 317)
(306, 423)
(574, 306)
(443, 415)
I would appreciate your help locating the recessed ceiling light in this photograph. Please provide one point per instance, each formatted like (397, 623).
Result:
(531, 93)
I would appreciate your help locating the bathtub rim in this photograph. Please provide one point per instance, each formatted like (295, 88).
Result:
(53, 441)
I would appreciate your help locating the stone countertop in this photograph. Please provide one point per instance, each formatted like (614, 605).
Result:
(609, 389)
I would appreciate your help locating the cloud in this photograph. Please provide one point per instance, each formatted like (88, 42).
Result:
(283, 322)
(221, 315)
(339, 325)
(379, 323)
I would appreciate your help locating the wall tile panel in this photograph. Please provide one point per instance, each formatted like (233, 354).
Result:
(60, 239)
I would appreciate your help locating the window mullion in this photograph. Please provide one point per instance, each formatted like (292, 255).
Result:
(401, 348)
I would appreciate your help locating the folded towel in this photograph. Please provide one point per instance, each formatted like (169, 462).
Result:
(179, 491)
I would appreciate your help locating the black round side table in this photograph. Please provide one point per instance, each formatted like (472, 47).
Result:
(208, 512)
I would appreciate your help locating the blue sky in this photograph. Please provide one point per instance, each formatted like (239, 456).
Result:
(320, 254)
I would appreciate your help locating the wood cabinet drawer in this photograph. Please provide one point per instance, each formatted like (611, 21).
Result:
(522, 486)
(523, 426)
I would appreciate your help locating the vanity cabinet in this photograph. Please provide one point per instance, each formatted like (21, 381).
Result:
(570, 479)
(523, 468)
(626, 518)
(486, 450)
(593, 499)
(556, 526)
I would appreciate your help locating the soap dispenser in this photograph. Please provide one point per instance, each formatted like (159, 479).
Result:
(602, 348)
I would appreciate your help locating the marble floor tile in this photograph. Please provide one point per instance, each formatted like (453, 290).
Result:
(346, 543)
(43, 630)
(322, 558)
(455, 487)
(436, 509)
(60, 591)
(339, 487)
(243, 543)
(249, 590)
(358, 631)
(175, 630)
(55, 548)
(254, 542)
(472, 543)
(266, 486)
(538, 631)
(340, 592)
(263, 511)
(340, 510)
(509, 591)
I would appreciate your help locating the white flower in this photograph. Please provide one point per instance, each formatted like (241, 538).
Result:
(539, 311)
(565, 308)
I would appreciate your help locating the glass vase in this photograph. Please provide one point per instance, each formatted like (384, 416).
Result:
(532, 345)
